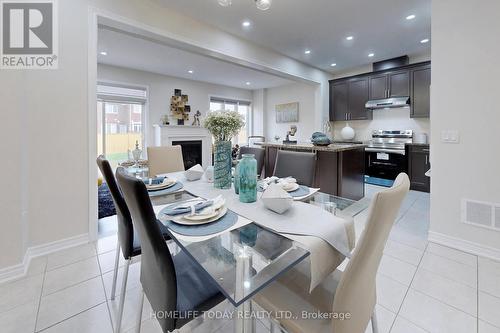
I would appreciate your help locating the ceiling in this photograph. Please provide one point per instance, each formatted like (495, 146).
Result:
(321, 26)
(128, 51)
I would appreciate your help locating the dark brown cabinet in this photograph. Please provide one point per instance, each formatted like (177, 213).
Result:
(358, 96)
(348, 99)
(339, 101)
(378, 87)
(348, 96)
(399, 84)
(418, 165)
(421, 97)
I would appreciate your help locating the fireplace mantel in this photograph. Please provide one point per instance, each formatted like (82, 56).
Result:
(165, 134)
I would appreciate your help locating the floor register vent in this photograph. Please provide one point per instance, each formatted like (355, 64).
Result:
(481, 214)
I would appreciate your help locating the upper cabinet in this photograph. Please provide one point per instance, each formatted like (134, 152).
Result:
(348, 96)
(421, 87)
(399, 84)
(348, 99)
(358, 96)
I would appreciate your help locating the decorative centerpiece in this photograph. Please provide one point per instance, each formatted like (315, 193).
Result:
(247, 175)
(136, 154)
(223, 125)
(320, 139)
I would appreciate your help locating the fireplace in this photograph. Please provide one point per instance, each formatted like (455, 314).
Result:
(191, 152)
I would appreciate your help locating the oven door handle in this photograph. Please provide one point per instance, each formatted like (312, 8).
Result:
(382, 150)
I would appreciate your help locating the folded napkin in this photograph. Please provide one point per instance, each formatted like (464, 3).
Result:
(154, 181)
(185, 208)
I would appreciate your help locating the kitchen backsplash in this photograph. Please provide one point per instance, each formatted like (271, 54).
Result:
(387, 119)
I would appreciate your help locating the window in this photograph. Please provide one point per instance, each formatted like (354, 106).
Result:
(243, 107)
(120, 118)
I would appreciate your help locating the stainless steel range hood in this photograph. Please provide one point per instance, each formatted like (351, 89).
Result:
(395, 102)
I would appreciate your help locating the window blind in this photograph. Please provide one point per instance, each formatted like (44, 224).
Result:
(117, 93)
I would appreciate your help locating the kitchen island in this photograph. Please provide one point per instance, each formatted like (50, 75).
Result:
(340, 167)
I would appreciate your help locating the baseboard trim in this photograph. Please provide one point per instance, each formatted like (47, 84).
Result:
(464, 245)
(19, 270)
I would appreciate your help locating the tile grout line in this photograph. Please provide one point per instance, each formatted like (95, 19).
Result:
(104, 289)
(72, 285)
(406, 293)
(72, 316)
(41, 293)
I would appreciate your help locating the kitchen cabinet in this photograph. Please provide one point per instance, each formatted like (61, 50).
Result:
(399, 84)
(393, 84)
(348, 99)
(418, 165)
(349, 95)
(421, 88)
(339, 101)
(378, 87)
(358, 96)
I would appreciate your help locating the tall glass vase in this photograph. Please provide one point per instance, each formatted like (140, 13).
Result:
(247, 173)
(222, 164)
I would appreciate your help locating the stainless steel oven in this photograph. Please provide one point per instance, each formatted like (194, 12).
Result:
(385, 154)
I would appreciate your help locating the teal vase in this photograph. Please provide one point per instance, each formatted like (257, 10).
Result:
(236, 182)
(247, 173)
(222, 164)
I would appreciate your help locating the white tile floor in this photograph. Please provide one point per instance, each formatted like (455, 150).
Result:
(421, 287)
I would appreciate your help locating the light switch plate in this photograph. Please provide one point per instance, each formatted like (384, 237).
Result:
(450, 136)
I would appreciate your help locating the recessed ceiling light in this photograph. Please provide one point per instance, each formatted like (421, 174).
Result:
(103, 53)
(190, 71)
(333, 65)
(248, 83)
(349, 38)
(246, 23)
(371, 54)
(410, 17)
(307, 51)
(423, 41)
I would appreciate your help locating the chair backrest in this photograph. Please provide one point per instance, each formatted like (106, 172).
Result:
(299, 165)
(165, 159)
(259, 154)
(158, 277)
(356, 293)
(125, 227)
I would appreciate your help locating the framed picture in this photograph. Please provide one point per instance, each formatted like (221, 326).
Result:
(177, 92)
(287, 113)
(184, 98)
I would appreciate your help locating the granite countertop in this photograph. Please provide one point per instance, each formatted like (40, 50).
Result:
(334, 147)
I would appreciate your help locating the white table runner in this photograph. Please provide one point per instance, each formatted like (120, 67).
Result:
(325, 236)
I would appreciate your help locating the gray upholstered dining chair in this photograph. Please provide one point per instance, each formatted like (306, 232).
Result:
(259, 154)
(172, 284)
(165, 159)
(128, 243)
(299, 165)
(354, 291)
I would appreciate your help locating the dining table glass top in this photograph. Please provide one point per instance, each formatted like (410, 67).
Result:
(246, 259)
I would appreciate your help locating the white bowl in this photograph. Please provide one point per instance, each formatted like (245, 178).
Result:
(194, 173)
(276, 199)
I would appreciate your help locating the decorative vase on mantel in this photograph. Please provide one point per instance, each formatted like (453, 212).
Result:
(222, 164)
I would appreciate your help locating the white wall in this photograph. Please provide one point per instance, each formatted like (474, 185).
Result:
(46, 191)
(465, 91)
(161, 88)
(305, 94)
(392, 119)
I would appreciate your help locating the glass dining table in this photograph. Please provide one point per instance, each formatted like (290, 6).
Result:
(244, 260)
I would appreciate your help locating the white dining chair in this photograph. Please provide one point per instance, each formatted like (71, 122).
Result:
(165, 159)
(350, 292)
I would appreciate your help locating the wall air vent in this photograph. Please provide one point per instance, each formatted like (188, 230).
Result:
(481, 214)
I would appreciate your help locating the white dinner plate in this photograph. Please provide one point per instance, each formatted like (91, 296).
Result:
(291, 187)
(167, 182)
(184, 221)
